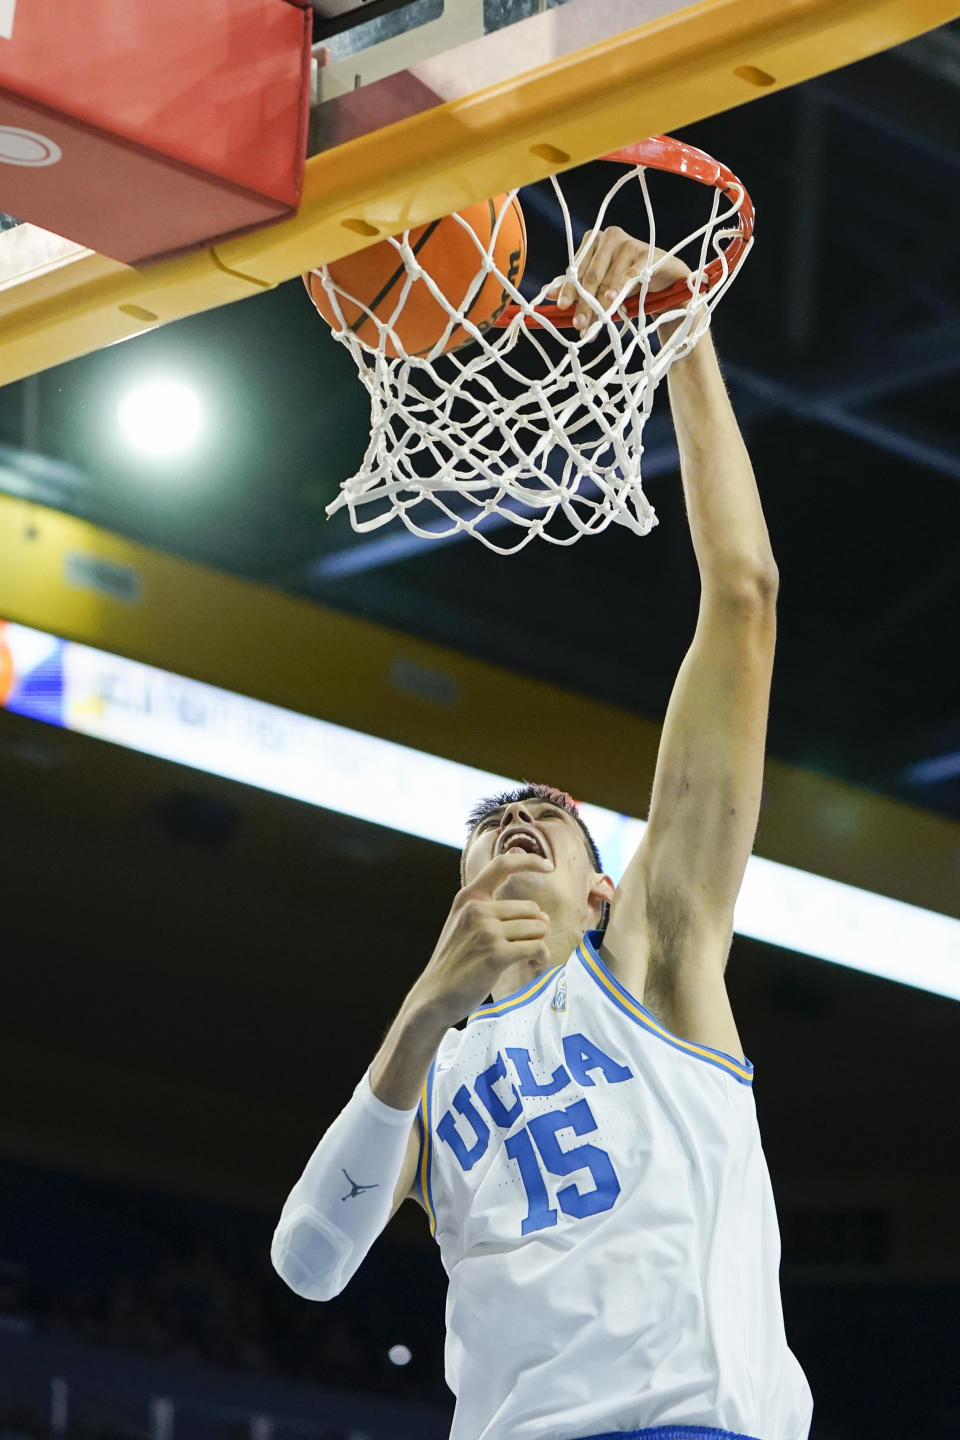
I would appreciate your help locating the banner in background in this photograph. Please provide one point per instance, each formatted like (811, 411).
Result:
(246, 740)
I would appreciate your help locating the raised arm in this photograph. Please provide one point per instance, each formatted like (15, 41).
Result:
(672, 916)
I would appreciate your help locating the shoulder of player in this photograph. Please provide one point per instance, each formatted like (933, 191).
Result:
(627, 946)
(657, 931)
(674, 967)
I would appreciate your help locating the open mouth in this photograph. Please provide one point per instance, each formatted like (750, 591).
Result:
(528, 842)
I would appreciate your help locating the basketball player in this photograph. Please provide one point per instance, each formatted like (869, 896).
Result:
(586, 1146)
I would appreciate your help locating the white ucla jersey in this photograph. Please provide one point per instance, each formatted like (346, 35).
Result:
(604, 1214)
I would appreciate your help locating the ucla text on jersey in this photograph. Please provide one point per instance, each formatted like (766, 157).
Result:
(467, 1132)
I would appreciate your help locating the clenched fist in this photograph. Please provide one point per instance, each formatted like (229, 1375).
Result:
(482, 937)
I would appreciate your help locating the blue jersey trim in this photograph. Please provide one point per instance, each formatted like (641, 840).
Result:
(673, 1432)
(589, 957)
(424, 1182)
(523, 996)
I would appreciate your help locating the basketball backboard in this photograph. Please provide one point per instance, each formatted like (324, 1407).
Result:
(419, 108)
(439, 50)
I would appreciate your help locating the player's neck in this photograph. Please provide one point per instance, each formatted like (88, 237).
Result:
(562, 943)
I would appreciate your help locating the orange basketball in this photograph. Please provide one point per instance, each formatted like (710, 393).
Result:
(375, 277)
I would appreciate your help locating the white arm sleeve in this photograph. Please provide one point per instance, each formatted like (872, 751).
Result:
(344, 1197)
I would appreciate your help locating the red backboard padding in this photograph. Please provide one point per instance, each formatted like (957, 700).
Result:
(144, 130)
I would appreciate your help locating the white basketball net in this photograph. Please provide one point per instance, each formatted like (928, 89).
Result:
(527, 430)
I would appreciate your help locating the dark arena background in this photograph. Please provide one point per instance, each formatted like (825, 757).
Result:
(196, 971)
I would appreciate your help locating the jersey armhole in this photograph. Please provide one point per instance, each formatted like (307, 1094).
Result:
(416, 1189)
(593, 963)
(422, 1190)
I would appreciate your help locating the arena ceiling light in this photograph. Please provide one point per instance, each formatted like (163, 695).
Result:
(190, 723)
(161, 417)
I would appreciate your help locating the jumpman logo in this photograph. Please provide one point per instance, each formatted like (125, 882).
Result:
(356, 1188)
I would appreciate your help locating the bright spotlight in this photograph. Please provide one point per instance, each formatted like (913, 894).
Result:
(161, 418)
(399, 1355)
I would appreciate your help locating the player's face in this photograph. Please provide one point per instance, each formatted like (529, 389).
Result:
(536, 827)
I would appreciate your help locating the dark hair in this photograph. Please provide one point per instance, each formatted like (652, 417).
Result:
(530, 791)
